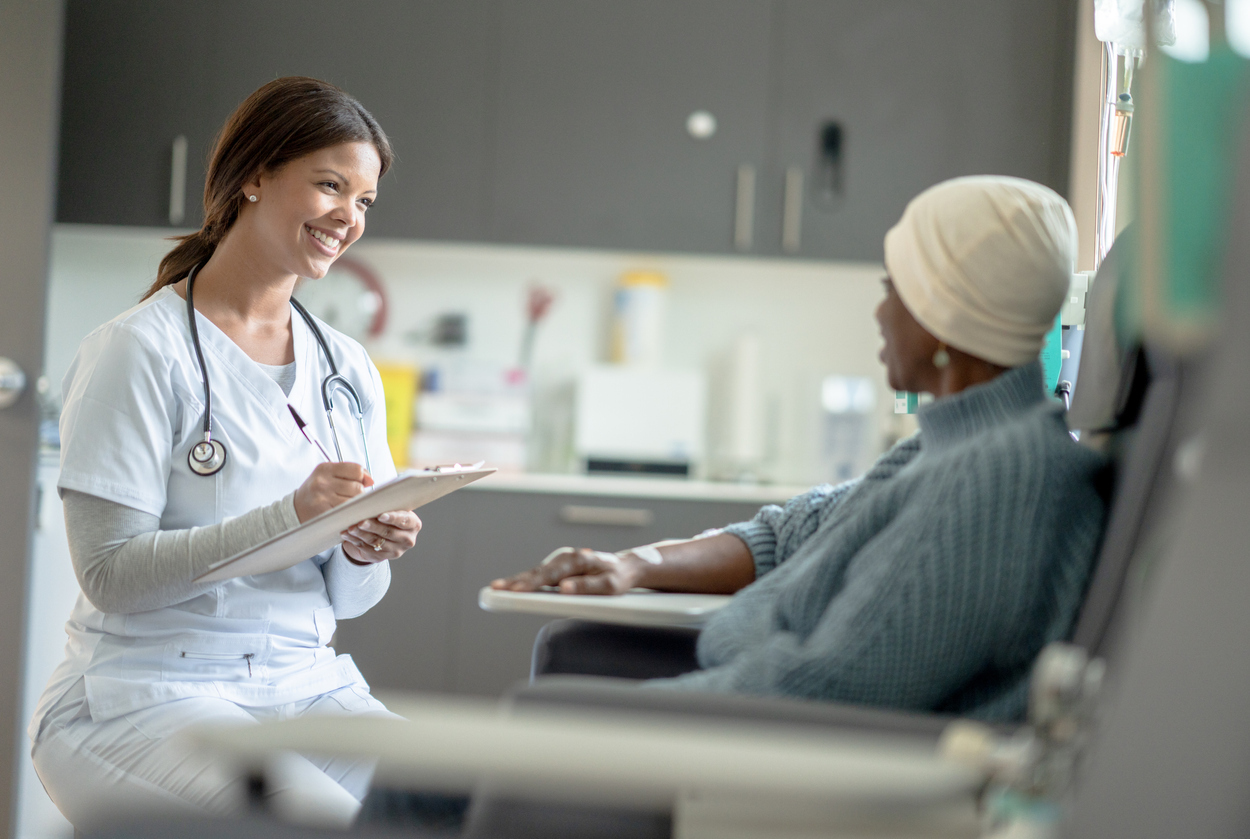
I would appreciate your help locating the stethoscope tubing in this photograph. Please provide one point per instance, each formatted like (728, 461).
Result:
(208, 457)
(199, 356)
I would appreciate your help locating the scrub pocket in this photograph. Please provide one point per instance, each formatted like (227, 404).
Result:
(326, 624)
(212, 658)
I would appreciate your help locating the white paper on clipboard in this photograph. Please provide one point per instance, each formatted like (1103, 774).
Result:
(408, 491)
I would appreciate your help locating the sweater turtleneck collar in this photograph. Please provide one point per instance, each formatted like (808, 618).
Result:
(955, 418)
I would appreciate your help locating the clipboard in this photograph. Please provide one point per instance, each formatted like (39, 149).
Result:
(407, 491)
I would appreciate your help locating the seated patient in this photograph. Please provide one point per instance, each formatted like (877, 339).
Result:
(932, 581)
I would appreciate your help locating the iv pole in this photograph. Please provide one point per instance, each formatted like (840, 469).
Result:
(1113, 133)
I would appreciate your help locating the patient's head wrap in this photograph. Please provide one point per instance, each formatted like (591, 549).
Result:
(984, 264)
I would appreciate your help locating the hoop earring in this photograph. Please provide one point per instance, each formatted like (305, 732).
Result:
(941, 358)
(253, 198)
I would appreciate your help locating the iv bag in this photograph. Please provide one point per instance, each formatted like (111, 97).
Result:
(1122, 22)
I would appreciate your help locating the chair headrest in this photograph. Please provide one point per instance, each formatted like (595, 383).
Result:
(1110, 378)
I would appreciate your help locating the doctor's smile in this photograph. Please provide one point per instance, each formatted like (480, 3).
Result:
(329, 243)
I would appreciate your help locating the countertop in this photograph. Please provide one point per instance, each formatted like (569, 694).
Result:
(631, 487)
(621, 487)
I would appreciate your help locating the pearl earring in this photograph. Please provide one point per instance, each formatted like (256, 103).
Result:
(253, 198)
(941, 358)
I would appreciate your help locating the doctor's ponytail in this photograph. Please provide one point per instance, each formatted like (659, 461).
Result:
(283, 120)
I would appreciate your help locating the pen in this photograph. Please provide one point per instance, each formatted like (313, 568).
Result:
(300, 422)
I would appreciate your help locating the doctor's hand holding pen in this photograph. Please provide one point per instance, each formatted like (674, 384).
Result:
(387, 536)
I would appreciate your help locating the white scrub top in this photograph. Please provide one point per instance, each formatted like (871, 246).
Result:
(133, 407)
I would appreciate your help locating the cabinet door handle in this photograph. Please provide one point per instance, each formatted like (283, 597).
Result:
(744, 209)
(792, 211)
(178, 181)
(610, 516)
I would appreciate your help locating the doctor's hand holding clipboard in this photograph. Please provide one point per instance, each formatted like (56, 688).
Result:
(388, 536)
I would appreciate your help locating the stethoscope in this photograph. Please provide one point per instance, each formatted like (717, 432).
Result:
(208, 456)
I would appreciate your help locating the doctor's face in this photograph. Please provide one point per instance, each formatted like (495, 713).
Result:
(312, 209)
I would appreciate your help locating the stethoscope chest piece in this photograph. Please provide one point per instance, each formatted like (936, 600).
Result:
(207, 457)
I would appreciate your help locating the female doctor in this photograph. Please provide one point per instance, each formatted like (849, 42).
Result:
(179, 450)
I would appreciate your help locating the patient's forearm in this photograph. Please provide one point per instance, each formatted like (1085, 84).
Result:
(719, 564)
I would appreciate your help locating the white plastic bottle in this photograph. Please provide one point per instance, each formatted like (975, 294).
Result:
(638, 319)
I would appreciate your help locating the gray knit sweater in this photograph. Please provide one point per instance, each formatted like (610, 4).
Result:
(932, 582)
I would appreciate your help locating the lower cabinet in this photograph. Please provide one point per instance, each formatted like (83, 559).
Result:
(428, 633)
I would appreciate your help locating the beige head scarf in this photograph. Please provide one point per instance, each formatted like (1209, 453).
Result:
(984, 263)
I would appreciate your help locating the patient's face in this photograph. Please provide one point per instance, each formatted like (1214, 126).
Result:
(908, 351)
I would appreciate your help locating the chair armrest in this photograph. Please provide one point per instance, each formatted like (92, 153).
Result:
(587, 756)
(635, 608)
(597, 693)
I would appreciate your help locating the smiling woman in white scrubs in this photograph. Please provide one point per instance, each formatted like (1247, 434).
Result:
(151, 650)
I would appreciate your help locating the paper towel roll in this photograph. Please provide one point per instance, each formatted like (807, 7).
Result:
(744, 403)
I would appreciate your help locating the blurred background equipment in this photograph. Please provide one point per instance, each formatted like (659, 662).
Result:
(538, 301)
(399, 384)
(472, 409)
(638, 326)
(847, 404)
(350, 298)
(635, 420)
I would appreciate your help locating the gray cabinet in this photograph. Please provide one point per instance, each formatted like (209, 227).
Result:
(423, 68)
(428, 632)
(877, 101)
(563, 122)
(138, 74)
(135, 77)
(405, 641)
(591, 147)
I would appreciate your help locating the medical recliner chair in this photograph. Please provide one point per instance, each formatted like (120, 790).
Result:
(1127, 402)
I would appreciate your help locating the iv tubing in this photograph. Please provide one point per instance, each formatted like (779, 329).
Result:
(1108, 165)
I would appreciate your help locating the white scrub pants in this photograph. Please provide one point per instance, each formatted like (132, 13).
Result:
(129, 765)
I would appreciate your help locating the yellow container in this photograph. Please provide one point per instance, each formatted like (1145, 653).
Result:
(399, 383)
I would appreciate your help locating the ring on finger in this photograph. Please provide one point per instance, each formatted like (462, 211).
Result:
(378, 545)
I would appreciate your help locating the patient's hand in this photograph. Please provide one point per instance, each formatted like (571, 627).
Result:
(579, 571)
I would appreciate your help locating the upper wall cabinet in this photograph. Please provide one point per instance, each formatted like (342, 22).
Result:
(134, 81)
(140, 74)
(878, 100)
(423, 68)
(569, 123)
(592, 145)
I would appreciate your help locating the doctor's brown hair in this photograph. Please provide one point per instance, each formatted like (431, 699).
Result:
(283, 120)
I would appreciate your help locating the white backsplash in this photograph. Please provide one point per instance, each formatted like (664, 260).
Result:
(813, 319)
